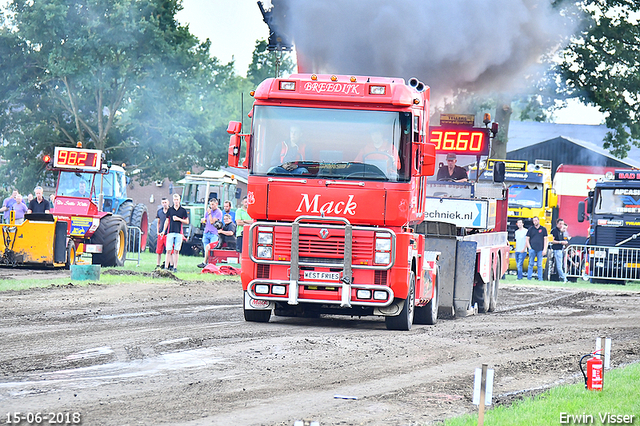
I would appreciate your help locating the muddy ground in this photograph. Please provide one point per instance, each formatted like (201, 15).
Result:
(180, 353)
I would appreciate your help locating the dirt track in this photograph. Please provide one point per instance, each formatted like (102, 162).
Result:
(181, 353)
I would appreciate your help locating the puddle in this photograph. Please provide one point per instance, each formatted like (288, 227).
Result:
(97, 375)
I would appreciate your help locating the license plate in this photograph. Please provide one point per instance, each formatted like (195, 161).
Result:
(326, 276)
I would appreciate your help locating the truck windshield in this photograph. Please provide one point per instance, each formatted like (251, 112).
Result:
(617, 201)
(525, 196)
(331, 143)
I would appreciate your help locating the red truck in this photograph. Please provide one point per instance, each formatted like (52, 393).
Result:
(345, 220)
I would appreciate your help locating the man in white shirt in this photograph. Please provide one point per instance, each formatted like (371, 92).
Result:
(521, 246)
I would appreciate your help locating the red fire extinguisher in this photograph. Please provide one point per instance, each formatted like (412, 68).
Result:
(593, 378)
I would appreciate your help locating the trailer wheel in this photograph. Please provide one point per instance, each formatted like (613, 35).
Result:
(428, 314)
(112, 234)
(493, 302)
(253, 315)
(71, 255)
(482, 293)
(405, 319)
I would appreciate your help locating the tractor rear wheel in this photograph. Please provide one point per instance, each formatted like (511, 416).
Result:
(126, 210)
(112, 234)
(140, 219)
(152, 236)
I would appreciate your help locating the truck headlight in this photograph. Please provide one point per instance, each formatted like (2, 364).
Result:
(265, 238)
(382, 258)
(383, 244)
(264, 252)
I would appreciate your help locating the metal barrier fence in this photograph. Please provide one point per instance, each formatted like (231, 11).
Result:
(134, 237)
(597, 262)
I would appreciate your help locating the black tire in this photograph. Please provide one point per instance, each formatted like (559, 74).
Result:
(404, 321)
(481, 293)
(493, 302)
(71, 255)
(126, 210)
(111, 234)
(253, 315)
(140, 218)
(428, 314)
(152, 236)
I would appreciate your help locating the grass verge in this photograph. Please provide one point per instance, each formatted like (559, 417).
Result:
(618, 398)
(130, 273)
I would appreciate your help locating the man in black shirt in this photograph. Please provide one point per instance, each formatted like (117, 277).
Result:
(176, 217)
(451, 172)
(161, 230)
(537, 240)
(39, 204)
(559, 243)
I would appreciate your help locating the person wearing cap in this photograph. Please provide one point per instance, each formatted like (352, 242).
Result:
(451, 172)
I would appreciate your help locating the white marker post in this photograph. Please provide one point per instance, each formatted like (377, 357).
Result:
(482, 390)
(602, 342)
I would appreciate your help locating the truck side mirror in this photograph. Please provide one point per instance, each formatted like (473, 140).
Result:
(590, 203)
(581, 214)
(498, 171)
(428, 163)
(233, 156)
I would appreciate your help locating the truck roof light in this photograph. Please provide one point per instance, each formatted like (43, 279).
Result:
(352, 79)
(334, 78)
(377, 90)
(79, 144)
(46, 158)
(416, 101)
(287, 85)
(252, 93)
(609, 175)
(314, 77)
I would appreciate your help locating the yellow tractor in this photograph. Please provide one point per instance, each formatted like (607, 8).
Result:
(40, 240)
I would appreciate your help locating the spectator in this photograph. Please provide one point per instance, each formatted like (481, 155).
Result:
(20, 209)
(537, 241)
(7, 205)
(451, 172)
(521, 246)
(176, 217)
(227, 210)
(161, 242)
(559, 243)
(39, 204)
(242, 219)
(29, 198)
(210, 236)
(228, 233)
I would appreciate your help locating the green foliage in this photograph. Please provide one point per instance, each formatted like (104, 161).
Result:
(602, 68)
(263, 64)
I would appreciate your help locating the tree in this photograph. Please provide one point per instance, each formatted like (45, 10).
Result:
(118, 75)
(602, 67)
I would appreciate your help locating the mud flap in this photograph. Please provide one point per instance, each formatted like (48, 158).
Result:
(60, 242)
(464, 272)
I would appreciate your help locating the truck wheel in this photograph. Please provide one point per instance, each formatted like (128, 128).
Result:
(253, 315)
(140, 218)
(152, 236)
(71, 255)
(428, 314)
(405, 319)
(493, 302)
(112, 234)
